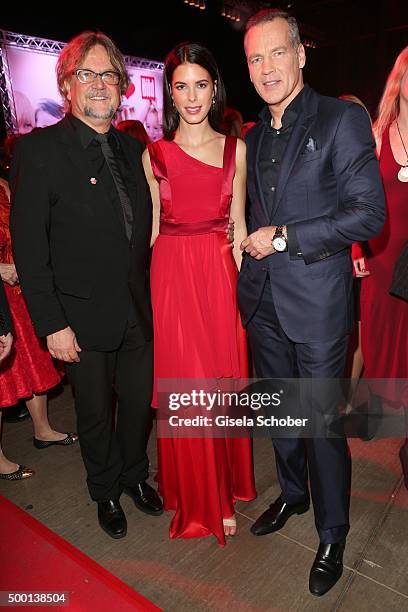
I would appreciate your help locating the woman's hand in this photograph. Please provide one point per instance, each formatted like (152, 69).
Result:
(359, 267)
(9, 274)
(5, 345)
(230, 230)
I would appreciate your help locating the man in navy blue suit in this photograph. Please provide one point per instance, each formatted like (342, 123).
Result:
(314, 188)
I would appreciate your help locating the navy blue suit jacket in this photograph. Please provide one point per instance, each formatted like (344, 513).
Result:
(330, 192)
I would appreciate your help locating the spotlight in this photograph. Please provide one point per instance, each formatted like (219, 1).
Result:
(229, 11)
(311, 44)
(199, 4)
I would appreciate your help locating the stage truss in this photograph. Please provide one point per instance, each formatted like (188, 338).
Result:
(41, 45)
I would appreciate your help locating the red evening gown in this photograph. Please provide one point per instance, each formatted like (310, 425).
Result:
(29, 368)
(384, 318)
(197, 333)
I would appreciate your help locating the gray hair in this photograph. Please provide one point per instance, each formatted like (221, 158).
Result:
(267, 15)
(75, 52)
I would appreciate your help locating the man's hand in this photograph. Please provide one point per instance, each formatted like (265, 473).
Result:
(8, 273)
(359, 267)
(259, 244)
(63, 345)
(5, 345)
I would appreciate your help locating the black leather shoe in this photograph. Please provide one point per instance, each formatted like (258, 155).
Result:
(145, 498)
(15, 414)
(327, 568)
(112, 519)
(275, 517)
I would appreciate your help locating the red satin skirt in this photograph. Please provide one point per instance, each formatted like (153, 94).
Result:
(198, 334)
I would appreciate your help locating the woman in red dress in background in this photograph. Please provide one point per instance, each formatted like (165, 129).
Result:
(384, 317)
(28, 372)
(197, 179)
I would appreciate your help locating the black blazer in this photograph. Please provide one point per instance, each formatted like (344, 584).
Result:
(5, 316)
(75, 264)
(330, 192)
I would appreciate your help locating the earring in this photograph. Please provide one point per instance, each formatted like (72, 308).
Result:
(174, 107)
(213, 100)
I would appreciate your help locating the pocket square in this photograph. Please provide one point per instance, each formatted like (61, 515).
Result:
(311, 145)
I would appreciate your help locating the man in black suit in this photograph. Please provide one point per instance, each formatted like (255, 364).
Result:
(6, 338)
(81, 224)
(314, 188)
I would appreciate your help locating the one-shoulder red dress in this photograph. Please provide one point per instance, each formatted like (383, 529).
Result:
(197, 333)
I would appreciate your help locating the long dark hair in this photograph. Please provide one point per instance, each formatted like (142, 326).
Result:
(192, 53)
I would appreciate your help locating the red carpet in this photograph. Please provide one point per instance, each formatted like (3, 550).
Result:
(33, 558)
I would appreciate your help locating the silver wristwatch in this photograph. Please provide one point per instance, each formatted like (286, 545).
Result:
(279, 242)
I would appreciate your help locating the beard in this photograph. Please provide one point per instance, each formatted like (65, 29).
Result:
(107, 114)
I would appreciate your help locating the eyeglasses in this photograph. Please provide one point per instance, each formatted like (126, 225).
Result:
(110, 77)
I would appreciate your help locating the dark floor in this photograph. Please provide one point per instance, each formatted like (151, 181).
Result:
(250, 574)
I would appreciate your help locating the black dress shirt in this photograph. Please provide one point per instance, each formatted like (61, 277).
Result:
(273, 148)
(98, 163)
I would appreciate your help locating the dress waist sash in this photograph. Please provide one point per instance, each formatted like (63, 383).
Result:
(193, 228)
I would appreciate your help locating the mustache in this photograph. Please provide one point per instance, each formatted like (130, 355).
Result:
(97, 92)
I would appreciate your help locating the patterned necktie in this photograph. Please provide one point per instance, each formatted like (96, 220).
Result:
(109, 156)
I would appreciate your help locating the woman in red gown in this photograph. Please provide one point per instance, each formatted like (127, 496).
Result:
(384, 317)
(29, 370)
(197, 179)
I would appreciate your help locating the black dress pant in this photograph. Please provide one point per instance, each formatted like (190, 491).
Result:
(325, 459)
(114, 457)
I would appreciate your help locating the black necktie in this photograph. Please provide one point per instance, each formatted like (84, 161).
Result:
(118, 180)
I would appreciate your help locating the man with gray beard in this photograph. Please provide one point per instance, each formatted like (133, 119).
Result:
(81, 226)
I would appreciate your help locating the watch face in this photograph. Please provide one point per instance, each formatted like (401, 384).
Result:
(279, 244)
